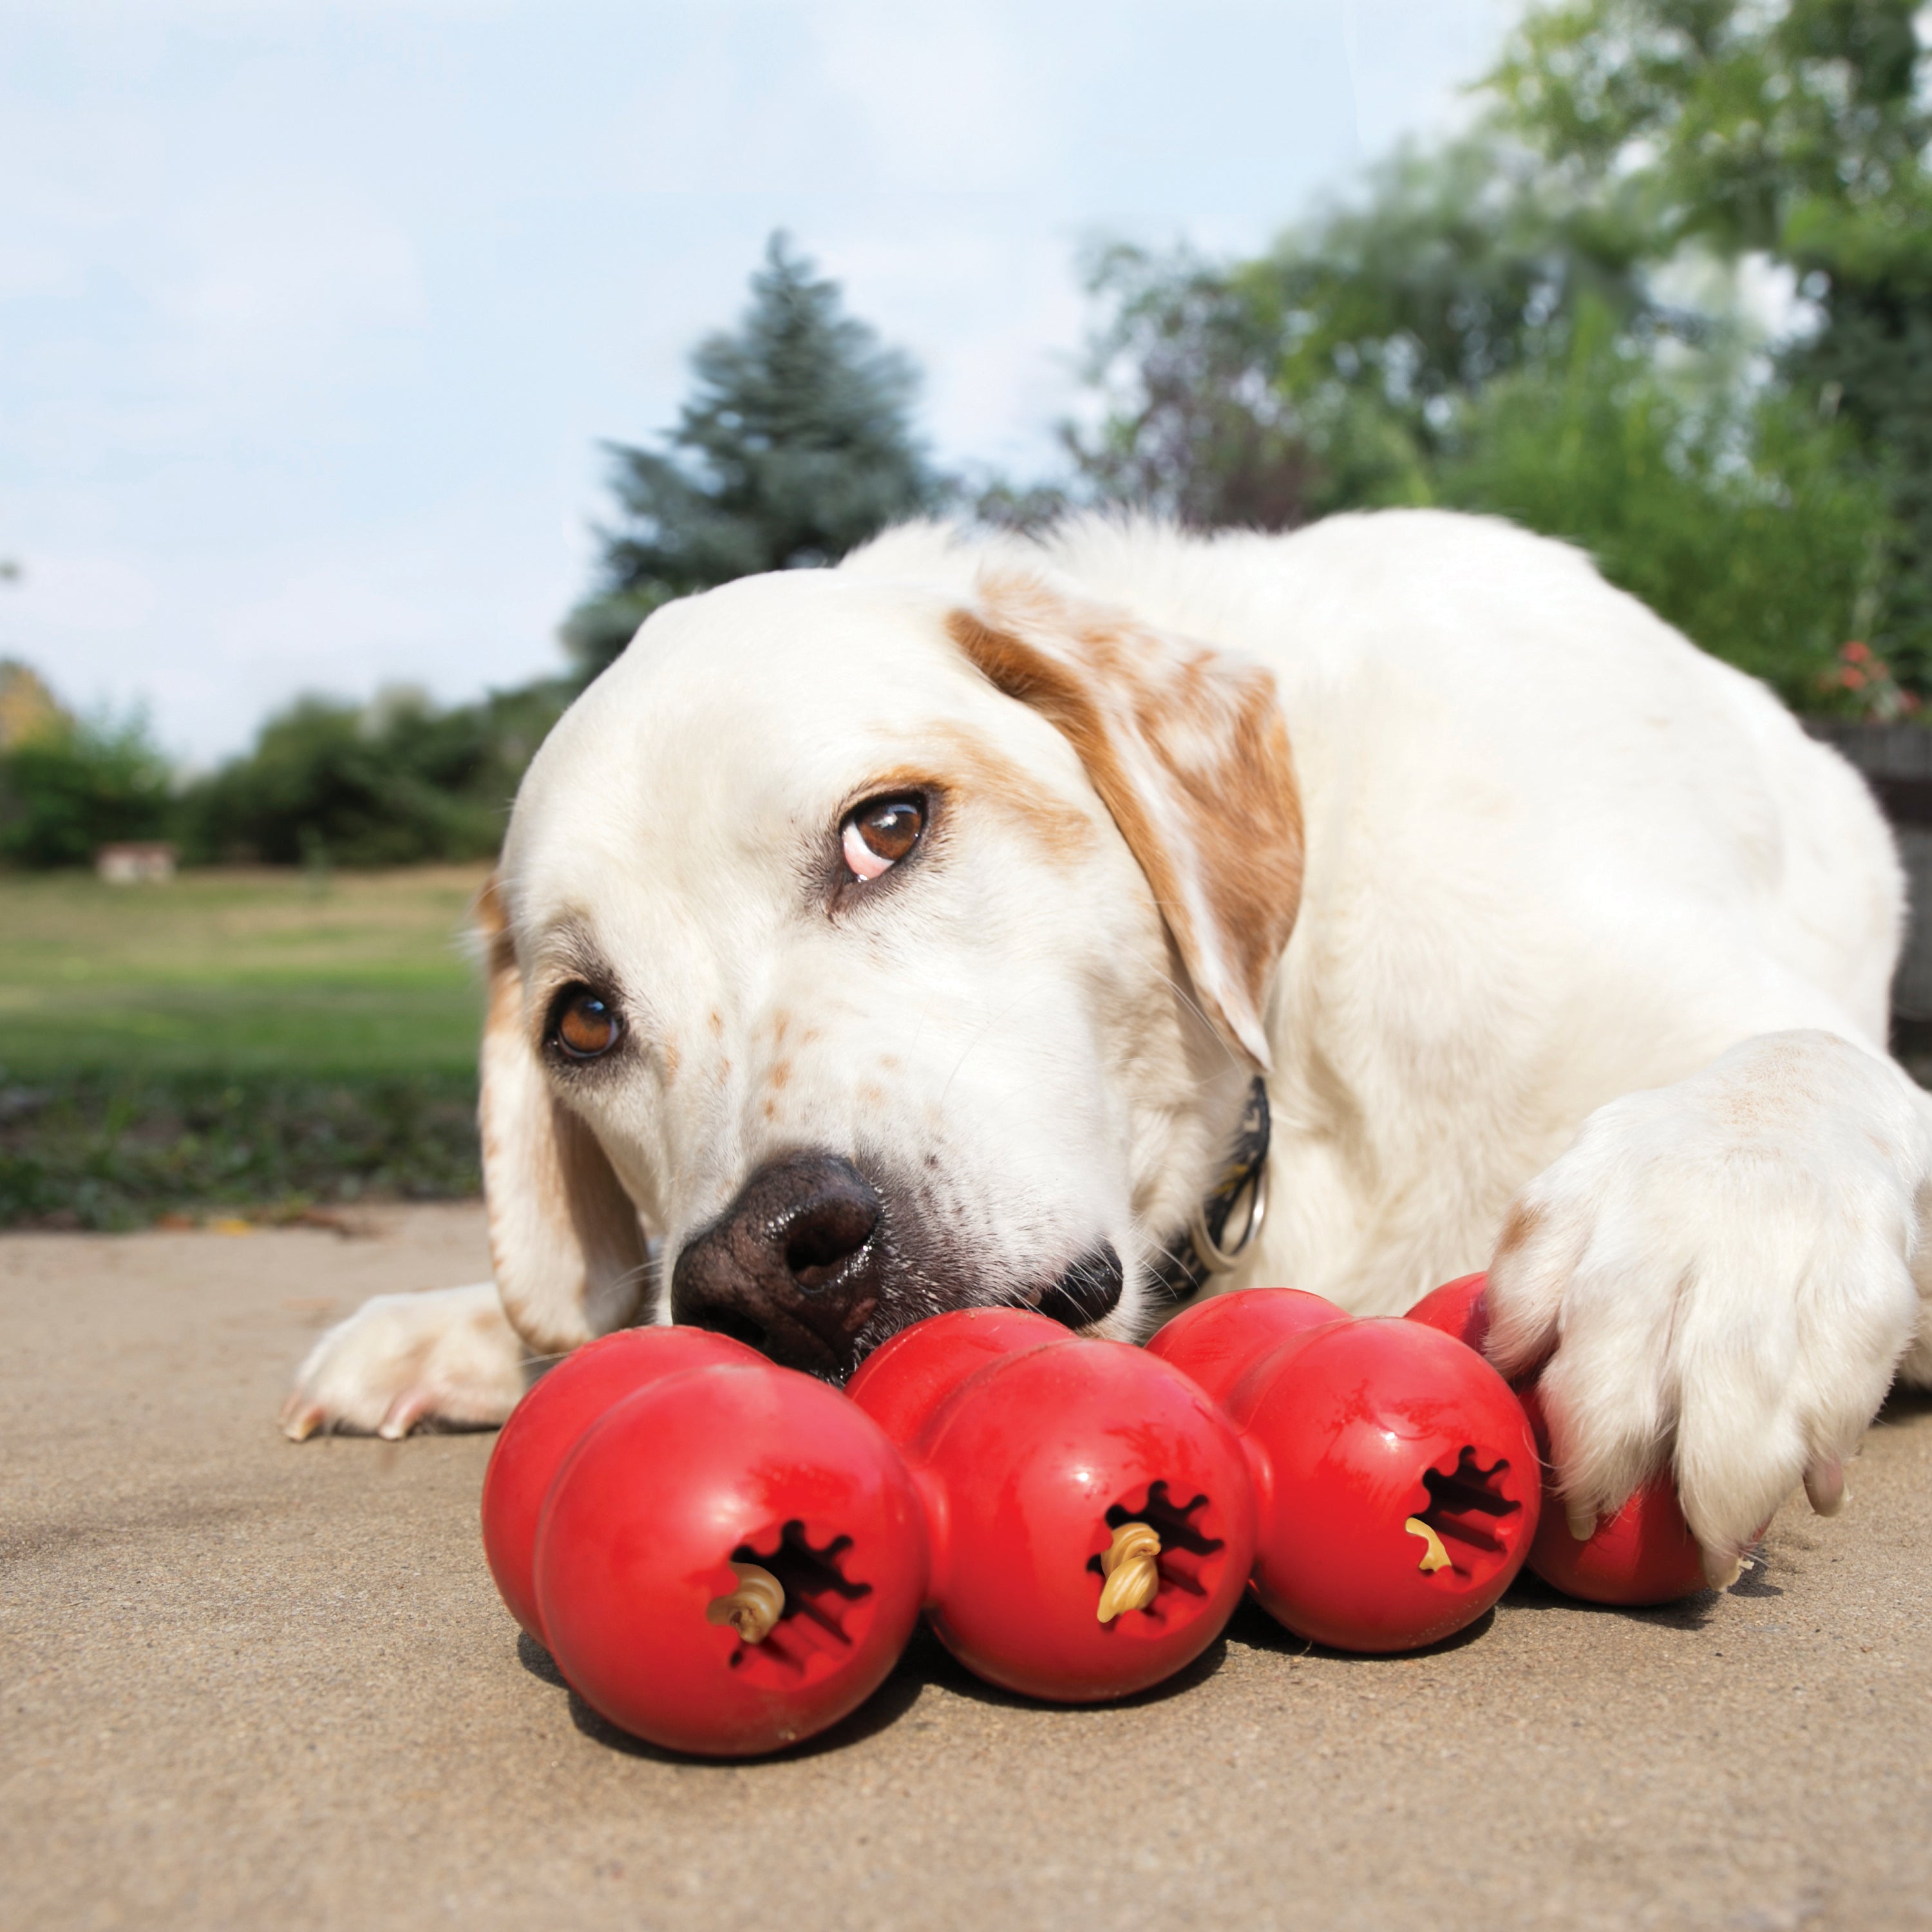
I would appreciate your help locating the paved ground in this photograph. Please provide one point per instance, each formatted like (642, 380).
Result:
(250, 1684)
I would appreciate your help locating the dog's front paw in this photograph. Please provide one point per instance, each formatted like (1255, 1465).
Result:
(1719, 1273)
(448, 1355)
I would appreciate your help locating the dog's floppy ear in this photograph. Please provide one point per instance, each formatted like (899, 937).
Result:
(1186, 747)
(564, 1239)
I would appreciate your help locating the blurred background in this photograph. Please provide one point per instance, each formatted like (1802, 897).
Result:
(368, 371)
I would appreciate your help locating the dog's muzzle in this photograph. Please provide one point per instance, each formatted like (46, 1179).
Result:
(794, 1266)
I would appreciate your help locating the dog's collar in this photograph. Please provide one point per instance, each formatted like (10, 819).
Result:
(1183, 1269)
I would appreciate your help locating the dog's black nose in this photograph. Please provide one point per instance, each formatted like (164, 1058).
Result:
(791, 1266)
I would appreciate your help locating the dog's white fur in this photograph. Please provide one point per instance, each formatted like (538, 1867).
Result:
(1589, 979)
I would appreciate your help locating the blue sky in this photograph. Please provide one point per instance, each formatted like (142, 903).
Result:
(312, 315)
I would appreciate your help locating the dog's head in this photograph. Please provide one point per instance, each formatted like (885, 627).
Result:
(882, 952)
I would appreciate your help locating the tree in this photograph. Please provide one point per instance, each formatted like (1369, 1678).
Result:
(1733, 512)
(796, 445)
(1542, 320)
(390, 783)
(1329, 373)
(1799, 129)
(69, 786)
(28, 709)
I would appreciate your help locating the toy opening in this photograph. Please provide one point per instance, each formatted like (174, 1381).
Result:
(1467, 1509)
(1178, 1545)
(818, 1598)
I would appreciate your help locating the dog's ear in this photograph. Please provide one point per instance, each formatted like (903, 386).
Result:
(564, 1239)
(1187, 747)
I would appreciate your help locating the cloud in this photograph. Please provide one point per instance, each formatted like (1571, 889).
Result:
(312, 311)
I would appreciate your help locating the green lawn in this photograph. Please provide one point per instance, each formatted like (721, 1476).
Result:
(236, 1040)
(258, 971)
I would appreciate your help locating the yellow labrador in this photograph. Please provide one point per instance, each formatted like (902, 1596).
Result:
(985, 921)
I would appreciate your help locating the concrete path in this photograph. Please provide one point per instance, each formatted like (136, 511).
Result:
(254, 1685)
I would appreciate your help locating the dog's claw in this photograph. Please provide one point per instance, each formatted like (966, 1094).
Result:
(1722, 1567)
(1824, 1484)
(1582, 1521)
(401, 1361)
(405, 1412)
(301, 1419)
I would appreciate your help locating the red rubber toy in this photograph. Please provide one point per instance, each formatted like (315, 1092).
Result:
(1090, 1514)
(904, 1380)
(545, 1427)
(1218, 1341)
(731, 1560)
(1457, 1308)
(1400, 1484)
(1643, 1555)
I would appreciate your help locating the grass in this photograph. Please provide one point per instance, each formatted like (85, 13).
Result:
(254, 1040)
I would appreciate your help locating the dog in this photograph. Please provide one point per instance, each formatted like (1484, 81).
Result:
(989, 919)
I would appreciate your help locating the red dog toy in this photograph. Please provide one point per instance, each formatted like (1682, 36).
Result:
(1219, 1341)
(1396, 1477)
(901, 1382)
(1644, 1554)
(1404, 1484)
(731, 1559)
(1091, 1516)
(545, 1427)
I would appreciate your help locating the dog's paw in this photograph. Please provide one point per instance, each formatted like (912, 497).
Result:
(449, 1355)
(1720, 1275)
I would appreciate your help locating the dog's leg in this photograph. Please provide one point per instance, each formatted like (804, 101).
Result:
(1723, 1275)
(449, 1356)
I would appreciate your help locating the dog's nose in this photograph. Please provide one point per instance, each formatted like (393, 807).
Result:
(791, 1266)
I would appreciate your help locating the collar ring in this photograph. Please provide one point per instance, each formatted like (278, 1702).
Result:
(1215, 1258)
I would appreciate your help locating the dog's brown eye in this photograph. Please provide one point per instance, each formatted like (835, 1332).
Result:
(583, 1024)
(880, 833)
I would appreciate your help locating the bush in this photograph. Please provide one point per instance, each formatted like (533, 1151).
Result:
(392, 783)
(72, 786)
(1738, 516)
(100, 1152)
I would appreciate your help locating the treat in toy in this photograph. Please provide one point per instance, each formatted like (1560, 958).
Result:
(1090, 1518)
(730, 1560)
(903, 1380)
(1218, 1341)
(1644, 1554)
(543, 1428)
(1398, 1484)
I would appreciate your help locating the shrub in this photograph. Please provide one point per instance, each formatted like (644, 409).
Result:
(72, 786)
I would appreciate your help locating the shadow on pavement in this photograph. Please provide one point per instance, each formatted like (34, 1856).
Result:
(926, 1662)
(1251, 1625)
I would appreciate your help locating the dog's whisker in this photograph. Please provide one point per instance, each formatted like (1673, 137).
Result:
(1194, 1005)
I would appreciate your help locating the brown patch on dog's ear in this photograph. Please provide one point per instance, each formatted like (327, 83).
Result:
(1187, 747)
(565, 1239)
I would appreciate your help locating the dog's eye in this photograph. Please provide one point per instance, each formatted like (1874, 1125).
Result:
(880, 833)
(583, 1024)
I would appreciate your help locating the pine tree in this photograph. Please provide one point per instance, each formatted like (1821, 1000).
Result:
(796, 444)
